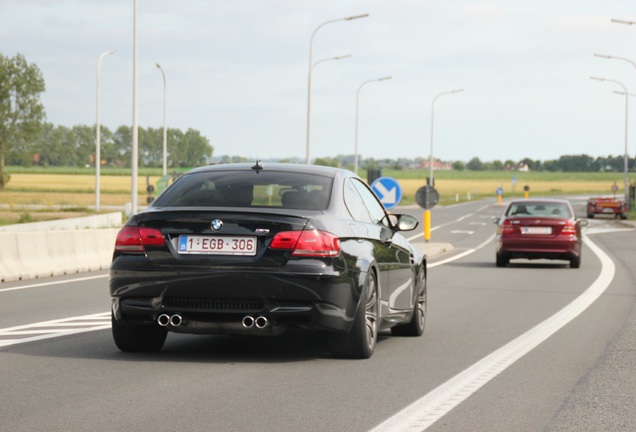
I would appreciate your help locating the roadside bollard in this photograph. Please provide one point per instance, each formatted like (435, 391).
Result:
(427, 225)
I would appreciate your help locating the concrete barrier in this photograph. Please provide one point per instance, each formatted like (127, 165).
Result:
(35, 254)
(106, 220)
(11, 267)
(57, 247)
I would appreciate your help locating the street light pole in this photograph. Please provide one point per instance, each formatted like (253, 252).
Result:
(165, 123)
(618, 21)
(430, 159)
(625, 157)
(311, 65)
(98, 145)
(427, 212)
(355, 157)
(135, 126)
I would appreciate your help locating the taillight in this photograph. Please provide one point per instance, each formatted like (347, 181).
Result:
(506, 227)
(134, 239)
(569, 228)
(311, 243)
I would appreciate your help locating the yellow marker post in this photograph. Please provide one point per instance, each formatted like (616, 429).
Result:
(499, 197)
(427, 225)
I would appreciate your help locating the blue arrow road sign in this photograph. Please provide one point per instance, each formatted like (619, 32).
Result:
(388, 190)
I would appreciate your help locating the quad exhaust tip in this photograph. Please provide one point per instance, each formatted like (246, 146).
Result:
(260, 322)
(248, 321)
(174, 320)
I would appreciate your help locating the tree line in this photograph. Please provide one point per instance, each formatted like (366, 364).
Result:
(75, 146)
(565, 163)
(26, 139)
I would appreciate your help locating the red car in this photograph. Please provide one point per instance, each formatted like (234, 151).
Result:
(608, 206)
(539, 229)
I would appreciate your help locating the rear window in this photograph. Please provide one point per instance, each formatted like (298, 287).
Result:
(248, 189)
(556, 210)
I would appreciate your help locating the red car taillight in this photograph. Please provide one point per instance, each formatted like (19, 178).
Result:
(312, 243)
(506, 227)
(134, 239)
(569, 228)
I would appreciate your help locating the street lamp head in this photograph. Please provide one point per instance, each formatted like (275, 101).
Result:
(356, 17)
(457, 91)
(158, 65)
(603, 56)
(342, 57)
(612, 81)
(623, 21)
(385, 78)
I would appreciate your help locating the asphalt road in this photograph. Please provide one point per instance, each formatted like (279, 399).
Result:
(535, 346)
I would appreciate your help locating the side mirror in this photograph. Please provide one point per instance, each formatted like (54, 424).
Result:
(405, 222)
(583, 222)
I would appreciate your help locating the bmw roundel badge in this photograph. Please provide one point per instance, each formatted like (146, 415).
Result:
(216, 224)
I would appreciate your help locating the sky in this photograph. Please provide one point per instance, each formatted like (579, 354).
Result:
(237, 71)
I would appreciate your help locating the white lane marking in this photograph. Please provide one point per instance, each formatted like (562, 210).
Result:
(599, 230)
(54, 328)
(52, 283)
(462, 232)
(461, 255)
(426, 411)
(451, 222)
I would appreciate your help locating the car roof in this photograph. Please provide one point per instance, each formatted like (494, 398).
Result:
(286, 167)
(539, 201)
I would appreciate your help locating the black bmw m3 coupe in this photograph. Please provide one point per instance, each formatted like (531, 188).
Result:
(255, 248)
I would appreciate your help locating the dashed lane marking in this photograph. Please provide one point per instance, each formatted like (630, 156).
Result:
(54, 328)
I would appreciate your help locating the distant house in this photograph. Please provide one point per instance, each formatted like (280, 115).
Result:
(437, 165)
(517, 167)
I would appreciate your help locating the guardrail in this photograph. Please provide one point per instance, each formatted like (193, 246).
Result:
(43, 249)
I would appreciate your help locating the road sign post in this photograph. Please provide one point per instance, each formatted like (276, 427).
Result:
(427, 198)
(388, 190)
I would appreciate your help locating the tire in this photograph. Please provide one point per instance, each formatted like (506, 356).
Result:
(360, 341)
(590, 215)
(575, 262)
(502, 260)
(138, 337)
(415, 327)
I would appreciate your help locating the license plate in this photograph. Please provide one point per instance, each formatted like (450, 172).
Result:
(217, 245)
(608, 210)
(536, 230)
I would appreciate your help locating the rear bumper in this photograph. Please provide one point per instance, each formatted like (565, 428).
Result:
(218, 301)
(557, 249)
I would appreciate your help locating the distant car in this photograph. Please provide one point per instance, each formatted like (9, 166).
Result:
(252, 249)
(539, 229)
(606, 206)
